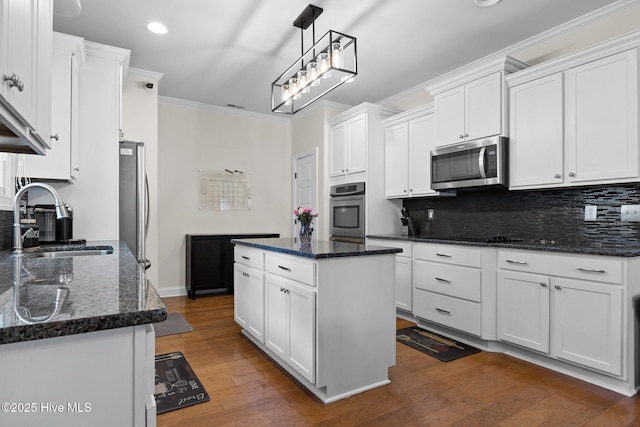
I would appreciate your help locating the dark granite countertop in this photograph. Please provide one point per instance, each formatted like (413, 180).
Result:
(620, 248)
(318, 249)
(45, 297)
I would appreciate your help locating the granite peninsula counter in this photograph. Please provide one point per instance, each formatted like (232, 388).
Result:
(76, 332)
(324, 312)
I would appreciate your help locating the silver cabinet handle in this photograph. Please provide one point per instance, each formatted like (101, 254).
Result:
(246, 257)
(591, 270)
(557, 176)
(466, 135)
(442, 280)
(461, 136)
(510, 261)
(76, 169)
(56, 137)
(284, 268)
(571, 174)
(441, 311)
(14, 81)
(544, 285)
(444, 255)
(557, 287)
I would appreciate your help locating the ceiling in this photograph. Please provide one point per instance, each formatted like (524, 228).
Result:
(229, 52)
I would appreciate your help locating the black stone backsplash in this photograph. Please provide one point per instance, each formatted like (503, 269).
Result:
(540, 214)
(6, 230)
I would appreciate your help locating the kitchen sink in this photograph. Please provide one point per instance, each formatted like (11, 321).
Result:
(71, 252)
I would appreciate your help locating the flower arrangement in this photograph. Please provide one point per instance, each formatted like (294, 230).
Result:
(304, 215)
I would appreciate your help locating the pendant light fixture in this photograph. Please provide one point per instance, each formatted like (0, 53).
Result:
(330, 62)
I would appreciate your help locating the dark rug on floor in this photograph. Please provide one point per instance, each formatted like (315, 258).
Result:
(435, 345)
(174, 324)
(177, 386)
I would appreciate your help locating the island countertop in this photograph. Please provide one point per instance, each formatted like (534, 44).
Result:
(42, 297)
(318, 249)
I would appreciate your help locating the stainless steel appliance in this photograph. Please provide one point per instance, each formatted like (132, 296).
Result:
(347, 212)
(53, 229)
(478, 163)
(134, 199)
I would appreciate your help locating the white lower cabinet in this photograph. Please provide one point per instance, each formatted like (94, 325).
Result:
(575, 318)
(290, 323)
(248, 287)
(403, 289)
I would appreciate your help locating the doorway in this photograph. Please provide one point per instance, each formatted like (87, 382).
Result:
(305, 185)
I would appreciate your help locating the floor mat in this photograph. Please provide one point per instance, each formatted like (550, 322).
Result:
(174, 324)
(177, 386)
(435, 345)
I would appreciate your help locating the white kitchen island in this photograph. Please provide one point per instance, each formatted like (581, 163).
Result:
(324, 313)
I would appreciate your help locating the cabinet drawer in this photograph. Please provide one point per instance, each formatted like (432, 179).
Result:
(584, 267)
(249, 256)
(449, 254)
(452, 312)
(452, 280)
(405, 246)
(296, 268)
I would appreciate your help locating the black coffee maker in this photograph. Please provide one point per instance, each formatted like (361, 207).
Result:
(408, 226)
(53, 229)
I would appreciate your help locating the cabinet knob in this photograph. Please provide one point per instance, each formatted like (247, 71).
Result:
(411, 190)
(14, 81)
(557, 287)
(461, 136)
(571, 174)
(557, 176)
(544, 285)
(405, 190)
(76, 169)
(466, 135)
(56, 137)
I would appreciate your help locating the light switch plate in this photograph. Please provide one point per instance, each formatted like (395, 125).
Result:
(630, 213)
(430, 214)
(590, 212)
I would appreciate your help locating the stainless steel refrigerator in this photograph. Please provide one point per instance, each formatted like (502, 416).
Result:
(134, 199)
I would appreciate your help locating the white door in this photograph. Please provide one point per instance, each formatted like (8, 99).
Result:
(523, 310)
(305, 185)
(449, 114)
(483, 107)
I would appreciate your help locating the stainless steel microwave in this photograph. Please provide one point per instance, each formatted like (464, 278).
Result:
(478, 163)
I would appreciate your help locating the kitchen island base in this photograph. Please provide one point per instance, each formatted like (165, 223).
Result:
(328, 315)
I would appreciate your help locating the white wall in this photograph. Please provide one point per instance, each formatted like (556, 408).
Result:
(140, 123)
(193, 136)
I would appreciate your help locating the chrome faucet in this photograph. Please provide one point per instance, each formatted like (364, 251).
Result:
(61, 211)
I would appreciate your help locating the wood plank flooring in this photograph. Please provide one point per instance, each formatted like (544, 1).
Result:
(484, 389)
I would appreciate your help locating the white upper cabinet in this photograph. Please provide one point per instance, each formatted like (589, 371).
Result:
(25, 85)
(409, 139)
(6, 181)
(349, 146)
(471, 111)
(471, 103)
(574, 121)
(61, 161)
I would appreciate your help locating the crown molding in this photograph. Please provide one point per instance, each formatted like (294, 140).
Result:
(414, 113)
(151, 75)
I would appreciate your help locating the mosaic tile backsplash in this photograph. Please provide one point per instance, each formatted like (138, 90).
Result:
(6, 230)
(540, 214)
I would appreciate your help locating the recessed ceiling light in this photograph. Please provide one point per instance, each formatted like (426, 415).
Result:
(486, 3)
(156, 27)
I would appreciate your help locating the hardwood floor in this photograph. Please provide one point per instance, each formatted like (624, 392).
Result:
(483, 389)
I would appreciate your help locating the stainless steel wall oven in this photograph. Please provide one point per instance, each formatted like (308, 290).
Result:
(347, 210)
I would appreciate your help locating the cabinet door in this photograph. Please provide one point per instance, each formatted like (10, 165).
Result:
(56, 163)
(338, 148)
(276, 315)
(404, 284)
(523, 310)
(19, 57)
(421, 141)
(357, 144)
(302, 326)
(449, 114)
(588, 324)
(6, 181)
(483, 107)
(602, 119)
(248, 300)
(536, 130)
(396, 155)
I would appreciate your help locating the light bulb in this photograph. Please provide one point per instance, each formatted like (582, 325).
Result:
(312, 73)
(295, 88)
(336, 55)
(303, 82)
(325, 67)
(286, 94)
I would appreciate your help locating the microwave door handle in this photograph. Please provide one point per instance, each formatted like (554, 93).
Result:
(483, 173)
